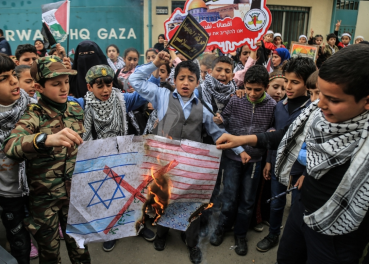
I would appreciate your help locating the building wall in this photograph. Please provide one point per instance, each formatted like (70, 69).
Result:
(320, 13)
(157, 20)
(363, 20)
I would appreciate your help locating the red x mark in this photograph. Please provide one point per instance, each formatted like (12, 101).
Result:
(136, 193)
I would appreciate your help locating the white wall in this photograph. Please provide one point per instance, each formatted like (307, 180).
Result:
(362, 24)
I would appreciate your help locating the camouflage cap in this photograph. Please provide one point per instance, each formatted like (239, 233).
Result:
(49, 67)
(98, 71)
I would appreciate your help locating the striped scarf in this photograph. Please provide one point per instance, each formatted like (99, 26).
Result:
(108, 117)
(330, 145)
(8, 120)
(211, 87)
(118, 65)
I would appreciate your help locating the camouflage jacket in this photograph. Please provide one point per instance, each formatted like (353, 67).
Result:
(49, 173)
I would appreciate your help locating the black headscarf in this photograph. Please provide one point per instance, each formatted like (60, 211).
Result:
(41, 53)
(159, 46)
(87, 55)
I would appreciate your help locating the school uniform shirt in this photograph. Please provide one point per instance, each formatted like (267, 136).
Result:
(160, 100)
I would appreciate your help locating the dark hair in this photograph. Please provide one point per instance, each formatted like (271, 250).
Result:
(167, 85)
(238, 55)
(51, 51)
(331, 35)
(318, 36)
(349, 67)
(1, 32)
(21, 68)
(129, 50)
(167, 67)
(312, 80)
(224, 59)
(101, 80)
(114, 46)
(42, 82)
(191, 66)
(208, 60)
(153, 50)
(303, 67)
(6, 63)
(161, 35)
(257, 74)
(21, 49)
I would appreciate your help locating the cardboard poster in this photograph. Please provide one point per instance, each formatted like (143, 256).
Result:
(190, 38)
(304, 50)
(118, 180)
(229, 23)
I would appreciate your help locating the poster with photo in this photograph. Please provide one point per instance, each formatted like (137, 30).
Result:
(304, 50)
(230, 23)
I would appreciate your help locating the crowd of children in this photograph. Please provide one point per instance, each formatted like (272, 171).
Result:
(290, 121)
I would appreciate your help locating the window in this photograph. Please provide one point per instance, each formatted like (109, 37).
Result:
(290, 21)
(176, 4)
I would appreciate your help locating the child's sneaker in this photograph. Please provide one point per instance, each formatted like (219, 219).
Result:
(34, 251)
(61, 233)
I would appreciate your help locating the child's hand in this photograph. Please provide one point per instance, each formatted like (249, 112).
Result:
(300, 181)
(60, 51)
(312, 32)
(240, 93)
(259, 43)
(245, 157)
(338, 24)
(161, 59)
(227, 141)
(165, 43)
(66, 62)
(267, 171)
(218, 119)
(64, 138)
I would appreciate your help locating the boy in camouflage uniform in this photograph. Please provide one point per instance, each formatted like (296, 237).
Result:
(47, 137)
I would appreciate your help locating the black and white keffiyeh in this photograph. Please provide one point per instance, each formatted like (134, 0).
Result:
(330, 145)
(152, 122)
(108, 117)
(8, 120)
(211, 87)
(239, 67)
(115, 66)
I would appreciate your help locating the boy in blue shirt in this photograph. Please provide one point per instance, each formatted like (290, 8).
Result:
(181, 116)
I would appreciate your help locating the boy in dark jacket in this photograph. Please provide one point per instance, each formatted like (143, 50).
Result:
(330, 221)
(297, 71)
(253, 113)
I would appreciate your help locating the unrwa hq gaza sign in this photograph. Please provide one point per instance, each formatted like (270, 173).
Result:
(117, 22)
(75, 34)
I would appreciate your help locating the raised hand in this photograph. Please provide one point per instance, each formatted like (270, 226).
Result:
(161, 59)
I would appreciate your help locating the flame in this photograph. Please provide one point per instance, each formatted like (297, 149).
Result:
(160, 189)
(210, 205)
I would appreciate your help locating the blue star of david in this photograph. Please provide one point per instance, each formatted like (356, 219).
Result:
(118, 194)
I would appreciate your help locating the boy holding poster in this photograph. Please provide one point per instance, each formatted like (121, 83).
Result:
(181, 116)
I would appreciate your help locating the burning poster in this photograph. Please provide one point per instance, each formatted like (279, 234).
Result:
(229, 23)
(117, 180)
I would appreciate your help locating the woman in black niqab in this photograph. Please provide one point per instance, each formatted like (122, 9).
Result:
(87, 55)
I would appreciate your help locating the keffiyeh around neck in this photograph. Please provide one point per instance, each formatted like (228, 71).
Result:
(8, 120)
(211, 87)
(107, 117)
(118, 65)
(330, 145)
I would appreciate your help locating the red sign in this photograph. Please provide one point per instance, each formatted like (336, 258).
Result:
(229, 25)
